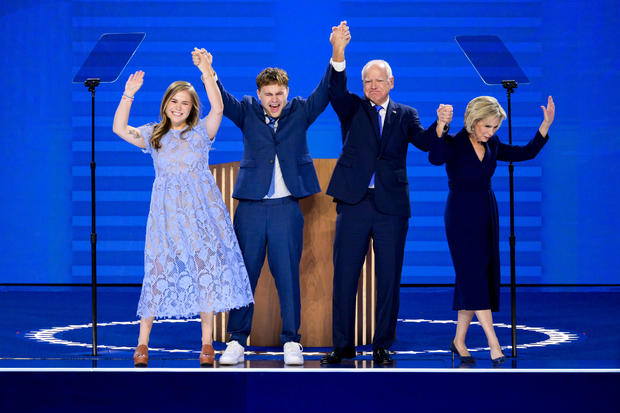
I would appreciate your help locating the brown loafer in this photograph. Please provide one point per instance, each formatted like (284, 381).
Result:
(141, 356)
(207, 355)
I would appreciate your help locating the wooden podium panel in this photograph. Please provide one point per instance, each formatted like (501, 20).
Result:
(316, 273)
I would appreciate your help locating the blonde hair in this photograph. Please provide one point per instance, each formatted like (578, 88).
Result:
(164, 125)
(272, 76)
(480, 108)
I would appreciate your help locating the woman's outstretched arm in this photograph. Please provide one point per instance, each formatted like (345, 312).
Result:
(203, 60)
(121, 117)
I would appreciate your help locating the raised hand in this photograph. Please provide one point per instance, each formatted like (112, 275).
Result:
(444, 117)
(444, 114)
(340, 36)
(549, 115)
(549, 111)
(134, 83)
(121, 116)
(202, 59)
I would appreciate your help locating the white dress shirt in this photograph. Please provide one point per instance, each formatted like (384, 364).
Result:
(339, 67)
(280, 189)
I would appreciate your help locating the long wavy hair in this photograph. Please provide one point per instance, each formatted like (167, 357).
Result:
(164, 125)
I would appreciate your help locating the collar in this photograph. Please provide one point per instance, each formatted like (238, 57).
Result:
(384, 105)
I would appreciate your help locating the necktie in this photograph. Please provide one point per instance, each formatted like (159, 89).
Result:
(272, 186)
(272, 122)
(378, 109)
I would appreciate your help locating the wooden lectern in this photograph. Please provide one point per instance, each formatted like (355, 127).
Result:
(316, 273)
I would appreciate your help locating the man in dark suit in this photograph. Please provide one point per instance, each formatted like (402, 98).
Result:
(275, 172)
(370, 186)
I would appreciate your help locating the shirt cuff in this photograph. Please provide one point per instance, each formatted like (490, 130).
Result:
(338, 66)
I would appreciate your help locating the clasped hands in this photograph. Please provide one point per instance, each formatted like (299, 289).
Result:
(203, 60)
(340, 36)
(444, 115)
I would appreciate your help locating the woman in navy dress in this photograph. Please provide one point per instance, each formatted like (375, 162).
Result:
(471, 217)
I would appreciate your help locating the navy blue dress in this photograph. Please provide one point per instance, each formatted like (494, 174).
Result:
(471, 217)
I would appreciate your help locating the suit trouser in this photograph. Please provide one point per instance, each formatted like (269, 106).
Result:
(273, 227)
(355, 225)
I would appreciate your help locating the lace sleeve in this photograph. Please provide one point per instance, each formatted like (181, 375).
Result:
(146, 131)
(201, 128)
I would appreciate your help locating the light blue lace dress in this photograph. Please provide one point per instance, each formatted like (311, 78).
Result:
(192, 260)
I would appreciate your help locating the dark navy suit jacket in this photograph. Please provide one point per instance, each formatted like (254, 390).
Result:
(261, 144)
(365, 152)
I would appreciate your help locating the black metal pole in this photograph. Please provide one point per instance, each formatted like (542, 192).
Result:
(91, 84)
(510, 85)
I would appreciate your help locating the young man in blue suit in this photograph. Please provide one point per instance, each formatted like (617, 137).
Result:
(275, 172)
(370, 186)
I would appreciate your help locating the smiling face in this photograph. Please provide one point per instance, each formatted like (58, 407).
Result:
(485, 128)
(377, 84)
(179, 108)
(273, 98)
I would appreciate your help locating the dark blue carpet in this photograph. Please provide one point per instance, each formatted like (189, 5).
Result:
(586, 319)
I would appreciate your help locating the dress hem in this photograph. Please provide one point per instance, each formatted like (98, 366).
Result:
(193, 314)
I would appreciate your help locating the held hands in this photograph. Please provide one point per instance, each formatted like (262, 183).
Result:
(340, 36)
(444, 114)
(134, 83)
(203, 60)
(444, 117)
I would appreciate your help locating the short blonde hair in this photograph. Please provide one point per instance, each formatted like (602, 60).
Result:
(480, 108)
(272, 76)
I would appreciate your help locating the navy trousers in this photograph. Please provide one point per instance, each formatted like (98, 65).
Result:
(273, 227)
(355, 225)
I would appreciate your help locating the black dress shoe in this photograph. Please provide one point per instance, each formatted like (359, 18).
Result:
(337, 354)
(381, 356)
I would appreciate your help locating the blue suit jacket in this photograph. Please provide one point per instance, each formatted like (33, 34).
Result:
(365, 152)
(261, 144)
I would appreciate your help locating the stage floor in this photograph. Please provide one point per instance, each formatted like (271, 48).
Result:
(559, 328)
(568, 360)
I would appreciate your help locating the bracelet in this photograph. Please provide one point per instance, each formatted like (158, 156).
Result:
(206, 75)
(127, 98)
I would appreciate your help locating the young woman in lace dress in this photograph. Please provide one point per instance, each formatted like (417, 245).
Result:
(192, 261)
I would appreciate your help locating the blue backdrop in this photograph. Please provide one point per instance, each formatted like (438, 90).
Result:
(565, 199)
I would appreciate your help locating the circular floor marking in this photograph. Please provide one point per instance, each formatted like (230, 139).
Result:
(48, 335)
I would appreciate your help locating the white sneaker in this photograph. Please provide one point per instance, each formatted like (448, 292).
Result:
(233, 354)
(292, 354)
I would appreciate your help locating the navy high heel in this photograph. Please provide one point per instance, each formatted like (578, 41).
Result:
(499, 360)
(464, 359)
